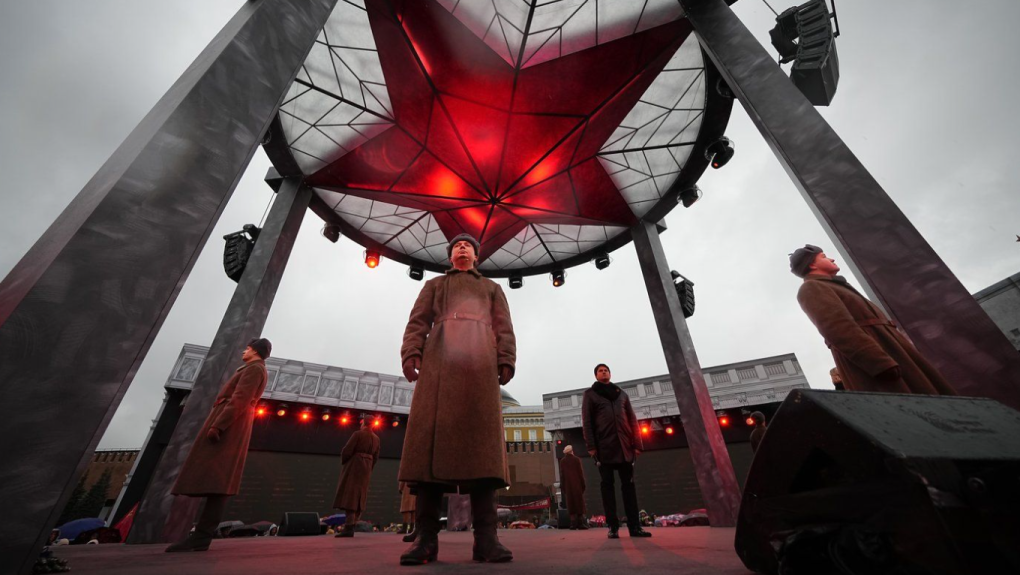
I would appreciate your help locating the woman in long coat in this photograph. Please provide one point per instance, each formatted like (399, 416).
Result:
(870, 353)
(459, 346)
(215, 463)
(573, 485)
(358, 458)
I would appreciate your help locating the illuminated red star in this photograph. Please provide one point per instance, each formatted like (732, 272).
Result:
(486, 147)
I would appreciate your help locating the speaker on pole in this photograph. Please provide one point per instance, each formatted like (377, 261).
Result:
(875, 483)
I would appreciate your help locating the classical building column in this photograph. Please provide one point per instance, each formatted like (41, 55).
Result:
(712, 464)
(80, 310)
(897, 267)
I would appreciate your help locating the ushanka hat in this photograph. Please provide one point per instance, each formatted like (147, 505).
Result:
(262, 346)
(802, 258)
(463, 237)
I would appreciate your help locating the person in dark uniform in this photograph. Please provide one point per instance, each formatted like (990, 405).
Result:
(458, 348)
(358, 459)
(870, 352)
(215, 463)
(758, 433)
(612, 437)
(572, 485)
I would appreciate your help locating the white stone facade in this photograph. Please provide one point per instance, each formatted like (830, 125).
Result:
(735, 385)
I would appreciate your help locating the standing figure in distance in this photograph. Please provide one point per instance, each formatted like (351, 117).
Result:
(358, 459)
(572, 484)
(459, 346)
(758, 433)
(216, 461)
(613, 438)
(407, 502)
(870, 353)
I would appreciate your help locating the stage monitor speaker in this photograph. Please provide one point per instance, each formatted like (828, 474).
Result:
(876, 483)
(562, 519)
(299, 523)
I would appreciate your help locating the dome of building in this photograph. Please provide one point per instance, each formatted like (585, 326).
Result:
(506, 399)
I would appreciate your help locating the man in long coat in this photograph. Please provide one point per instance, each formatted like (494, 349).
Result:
(572, 485)
(613, 439)
(216, 461)
(870, 353)
(358, 458)
(459, 346)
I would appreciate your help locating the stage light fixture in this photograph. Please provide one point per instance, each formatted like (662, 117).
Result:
(516, 281)
(377, 422)
(602, 261)
(724, 421)
(749, 421)
(396, 423)
(282, 410)
(559, 277)
(372, 259)
(261, 410)
(689, 196)
(331, 232)
(306, 415)
(237, 250)
(326, 414)
(669, 430)
(345, 419)
(416, 272)
(645, 430)
(719, 152)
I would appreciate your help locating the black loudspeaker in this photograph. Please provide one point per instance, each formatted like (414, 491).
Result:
(562, 519)
(876, 483)
(299, 523)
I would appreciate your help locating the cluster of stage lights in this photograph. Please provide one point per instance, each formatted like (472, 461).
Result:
(308, 415)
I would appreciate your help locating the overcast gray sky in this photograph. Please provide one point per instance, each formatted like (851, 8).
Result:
(926, 100)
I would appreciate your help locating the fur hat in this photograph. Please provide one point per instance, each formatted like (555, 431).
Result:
(262, 346)
(802, 258)
(463, 237)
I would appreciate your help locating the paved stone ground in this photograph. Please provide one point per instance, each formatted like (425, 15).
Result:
(687, 550)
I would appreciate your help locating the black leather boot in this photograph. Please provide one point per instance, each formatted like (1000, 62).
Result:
(426, 546)
(487, 547)
(614, 533)
(639, 532)
(412, 533)
(196, 541)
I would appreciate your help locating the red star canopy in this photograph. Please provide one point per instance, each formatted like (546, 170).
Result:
(543, 131)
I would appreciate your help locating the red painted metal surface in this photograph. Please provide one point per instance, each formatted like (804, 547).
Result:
(487, 147)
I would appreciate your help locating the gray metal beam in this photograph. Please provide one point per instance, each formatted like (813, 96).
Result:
(80, 310)
(162, 517)
(712, 463)
(898, 268)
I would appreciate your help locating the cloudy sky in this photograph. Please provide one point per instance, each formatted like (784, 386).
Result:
(926, 101)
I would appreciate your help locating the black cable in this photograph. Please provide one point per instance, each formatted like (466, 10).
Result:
(272, 196)
(771, 8)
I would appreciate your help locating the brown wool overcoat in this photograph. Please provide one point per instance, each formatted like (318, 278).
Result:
(216, 468)
(572, 483)
(460, 328)
(863, 341)
(358, 459)
(408, 500)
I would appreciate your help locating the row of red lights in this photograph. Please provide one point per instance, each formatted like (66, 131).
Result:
(724, 421)
(306, 416)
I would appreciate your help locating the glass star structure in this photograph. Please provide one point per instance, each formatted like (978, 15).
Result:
(544, 129)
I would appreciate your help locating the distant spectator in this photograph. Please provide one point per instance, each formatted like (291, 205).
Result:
(573, 485)
(758, 433)
(837, 380)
